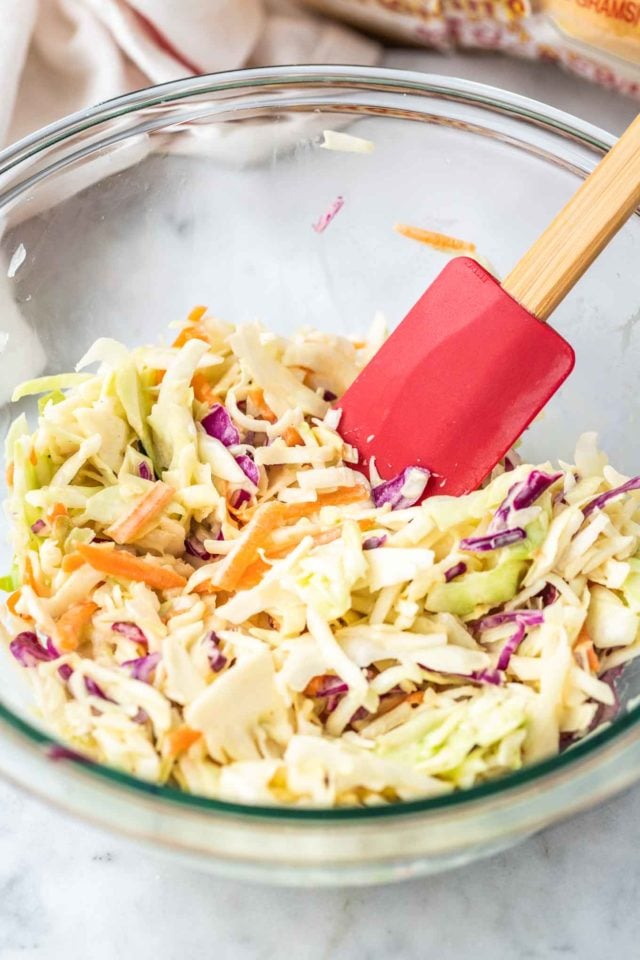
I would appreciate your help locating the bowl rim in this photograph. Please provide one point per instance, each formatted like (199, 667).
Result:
(308, 77)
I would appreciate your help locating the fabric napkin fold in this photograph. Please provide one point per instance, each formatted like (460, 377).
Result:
(58, 56)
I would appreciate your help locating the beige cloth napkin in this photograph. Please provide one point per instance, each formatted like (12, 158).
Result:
(58, 56)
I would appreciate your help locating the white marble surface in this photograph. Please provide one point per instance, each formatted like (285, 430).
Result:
(67, 891)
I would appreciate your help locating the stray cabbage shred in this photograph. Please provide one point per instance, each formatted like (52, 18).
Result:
(208, 593)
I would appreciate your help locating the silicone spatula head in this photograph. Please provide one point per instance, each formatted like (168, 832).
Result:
(457, 382)
(473, 362)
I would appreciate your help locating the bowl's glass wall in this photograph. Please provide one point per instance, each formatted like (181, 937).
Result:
(207, 195)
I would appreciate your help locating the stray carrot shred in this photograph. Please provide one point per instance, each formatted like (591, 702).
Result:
(158, 377)
(71, 562)
(33, 457)
(72, 623)
(196, 314)
(202, 389)
(9, 474)
(292, 438)
(439, 241)
(181, 739)
(263, 410)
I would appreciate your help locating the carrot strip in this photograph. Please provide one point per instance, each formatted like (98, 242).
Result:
(196, 314)
(119, 563)
(12, 601)
(57, 510)
(263, 409)
(72, 562)
(72, 622)
(292, 438)
(158, 377)
(9, 474)
(266, 518)
(202, 389)
(196, 332)
(592, 659)
(338, 498)
(440, 241)
(33, 457)
(181, 739)
(145, 512)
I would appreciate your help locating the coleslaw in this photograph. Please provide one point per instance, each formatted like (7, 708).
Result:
(208, 592)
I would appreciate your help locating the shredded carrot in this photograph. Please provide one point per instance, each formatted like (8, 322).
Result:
(9, 474)
(264, 521)
(391, 702)
(196, 332)
(196, 314)
(202, 389)
(145, 512)
(57, 510)
(414, 698)
(292, 438)
(440, 241)
(12, 601)
(29, 578)
(263, 410)
(181, 739)
(252, 575)
(119, 563)
(338, 498)
(72, 561)
(592, 659)
(158, 377)
(367, 524)
(33, 457)
(72, 622)
(315, 685)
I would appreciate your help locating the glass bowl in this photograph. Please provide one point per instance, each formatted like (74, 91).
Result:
(118, 220)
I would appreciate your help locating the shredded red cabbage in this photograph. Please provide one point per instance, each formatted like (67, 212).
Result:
(330, 686)
(511, 646)
(95, 690)
(529, 618)
(402, 491)
(455, 571)
(329, 396)
(249, 468)
(141, 716)
(372, 543)
(57, 752)
(549, 594)
(218, 424)
(196, 548)
(520, 496)
(217, 659)
(238, 498)
(143, 667)
(65, 671)
(494, 677)
(144, 471)
(599, 502)
(131, 631)
(28, 650)
(493, 541)
(325, 219)
(38, 526)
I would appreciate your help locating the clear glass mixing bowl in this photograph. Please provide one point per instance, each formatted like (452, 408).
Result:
(118, 220)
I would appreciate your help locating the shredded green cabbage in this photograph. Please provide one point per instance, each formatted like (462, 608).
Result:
(238, 619)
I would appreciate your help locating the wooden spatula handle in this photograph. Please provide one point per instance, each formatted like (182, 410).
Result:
(571, 242)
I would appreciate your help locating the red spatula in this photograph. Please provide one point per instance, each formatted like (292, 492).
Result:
(473, 362)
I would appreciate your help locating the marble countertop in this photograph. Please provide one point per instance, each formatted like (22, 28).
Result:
(68, 891)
